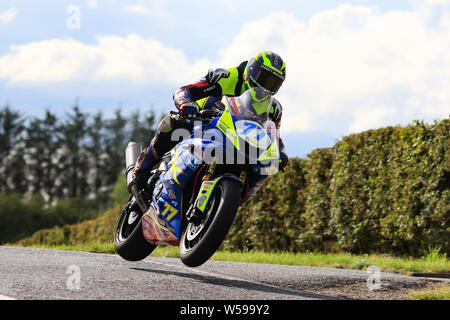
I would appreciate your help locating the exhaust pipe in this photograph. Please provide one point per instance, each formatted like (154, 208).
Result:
(132, 153)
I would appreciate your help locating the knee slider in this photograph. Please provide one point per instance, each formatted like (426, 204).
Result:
(166, 125)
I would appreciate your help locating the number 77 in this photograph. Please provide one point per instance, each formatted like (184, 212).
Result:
(250, 127)
(168, 207)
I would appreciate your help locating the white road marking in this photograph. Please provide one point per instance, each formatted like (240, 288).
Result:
(6, 298)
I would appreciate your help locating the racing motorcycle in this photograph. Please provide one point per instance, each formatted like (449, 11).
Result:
(194, 193)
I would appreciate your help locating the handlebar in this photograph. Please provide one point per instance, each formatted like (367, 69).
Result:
(203, 115)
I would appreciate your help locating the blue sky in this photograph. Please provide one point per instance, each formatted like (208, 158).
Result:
(352, 65)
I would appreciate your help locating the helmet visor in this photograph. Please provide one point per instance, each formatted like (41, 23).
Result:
(268, 79)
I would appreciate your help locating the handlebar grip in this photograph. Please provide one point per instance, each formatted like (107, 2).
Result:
(203, 115)
(209, 113)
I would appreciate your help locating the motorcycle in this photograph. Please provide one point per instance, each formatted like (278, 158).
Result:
(194, 193)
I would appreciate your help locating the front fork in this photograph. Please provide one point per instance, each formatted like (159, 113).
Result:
(210, 180)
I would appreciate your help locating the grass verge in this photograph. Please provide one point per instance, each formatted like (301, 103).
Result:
(430, 263)
(437, 293)
(433, 262)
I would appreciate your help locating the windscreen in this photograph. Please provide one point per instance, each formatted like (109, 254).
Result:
(254, 105)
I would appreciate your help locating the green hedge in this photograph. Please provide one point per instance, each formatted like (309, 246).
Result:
(273, 217)
(21, 217)
(384, 190)
(390, 189)
(99, 230)
(379, 191)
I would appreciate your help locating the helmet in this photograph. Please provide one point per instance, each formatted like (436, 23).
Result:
(265, 70)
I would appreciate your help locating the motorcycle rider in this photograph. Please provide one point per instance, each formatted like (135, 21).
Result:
(265, 70)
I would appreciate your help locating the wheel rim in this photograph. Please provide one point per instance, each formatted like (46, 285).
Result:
(195, 232)
(129, 223)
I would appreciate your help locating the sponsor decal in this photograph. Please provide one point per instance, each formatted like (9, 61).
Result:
(157, 233)
(201, 200)
(232, 103)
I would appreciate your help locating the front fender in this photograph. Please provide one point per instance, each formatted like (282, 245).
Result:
(207, 188)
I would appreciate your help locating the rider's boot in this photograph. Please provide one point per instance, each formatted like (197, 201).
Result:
(143, 168)
(150, 156)
(161, 143)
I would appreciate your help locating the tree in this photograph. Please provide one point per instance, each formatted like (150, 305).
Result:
(74, 159)
(115, 143)
(78, 156)
(97, 158)
(12, 177)
(42, 144)
(142, 127)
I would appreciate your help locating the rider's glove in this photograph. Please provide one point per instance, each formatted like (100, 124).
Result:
(284, 160)
(189, 110)
(276, 111)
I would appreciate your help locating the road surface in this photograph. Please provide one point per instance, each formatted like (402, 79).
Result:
(41, 274)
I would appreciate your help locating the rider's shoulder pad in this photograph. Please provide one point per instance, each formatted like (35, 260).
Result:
(214, 75)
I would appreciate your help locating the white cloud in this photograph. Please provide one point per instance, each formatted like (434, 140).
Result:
(353, 68)
(8, 15)
(349, 69)
(113, 58)
(366, 118)
(92, 4)
(138, 10)
(431, 2)
(155, 8)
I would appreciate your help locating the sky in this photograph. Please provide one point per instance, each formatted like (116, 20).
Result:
(351, 65)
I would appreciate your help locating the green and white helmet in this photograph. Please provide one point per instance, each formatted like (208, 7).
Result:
(265, 70)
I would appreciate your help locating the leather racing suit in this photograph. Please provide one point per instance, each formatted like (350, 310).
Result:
(204, 94)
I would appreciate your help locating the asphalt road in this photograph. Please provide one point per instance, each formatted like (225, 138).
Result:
(39, 274)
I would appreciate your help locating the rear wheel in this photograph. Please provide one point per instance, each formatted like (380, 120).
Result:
(201, 239)
(128, 239)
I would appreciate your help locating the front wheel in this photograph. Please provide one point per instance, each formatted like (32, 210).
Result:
(128, 239)
(201, 239)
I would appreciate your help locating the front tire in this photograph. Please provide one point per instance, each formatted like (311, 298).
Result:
(128, 239)
(199, 241)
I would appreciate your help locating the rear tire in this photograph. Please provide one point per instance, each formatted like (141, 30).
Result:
(128, 239)
(197, 246)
